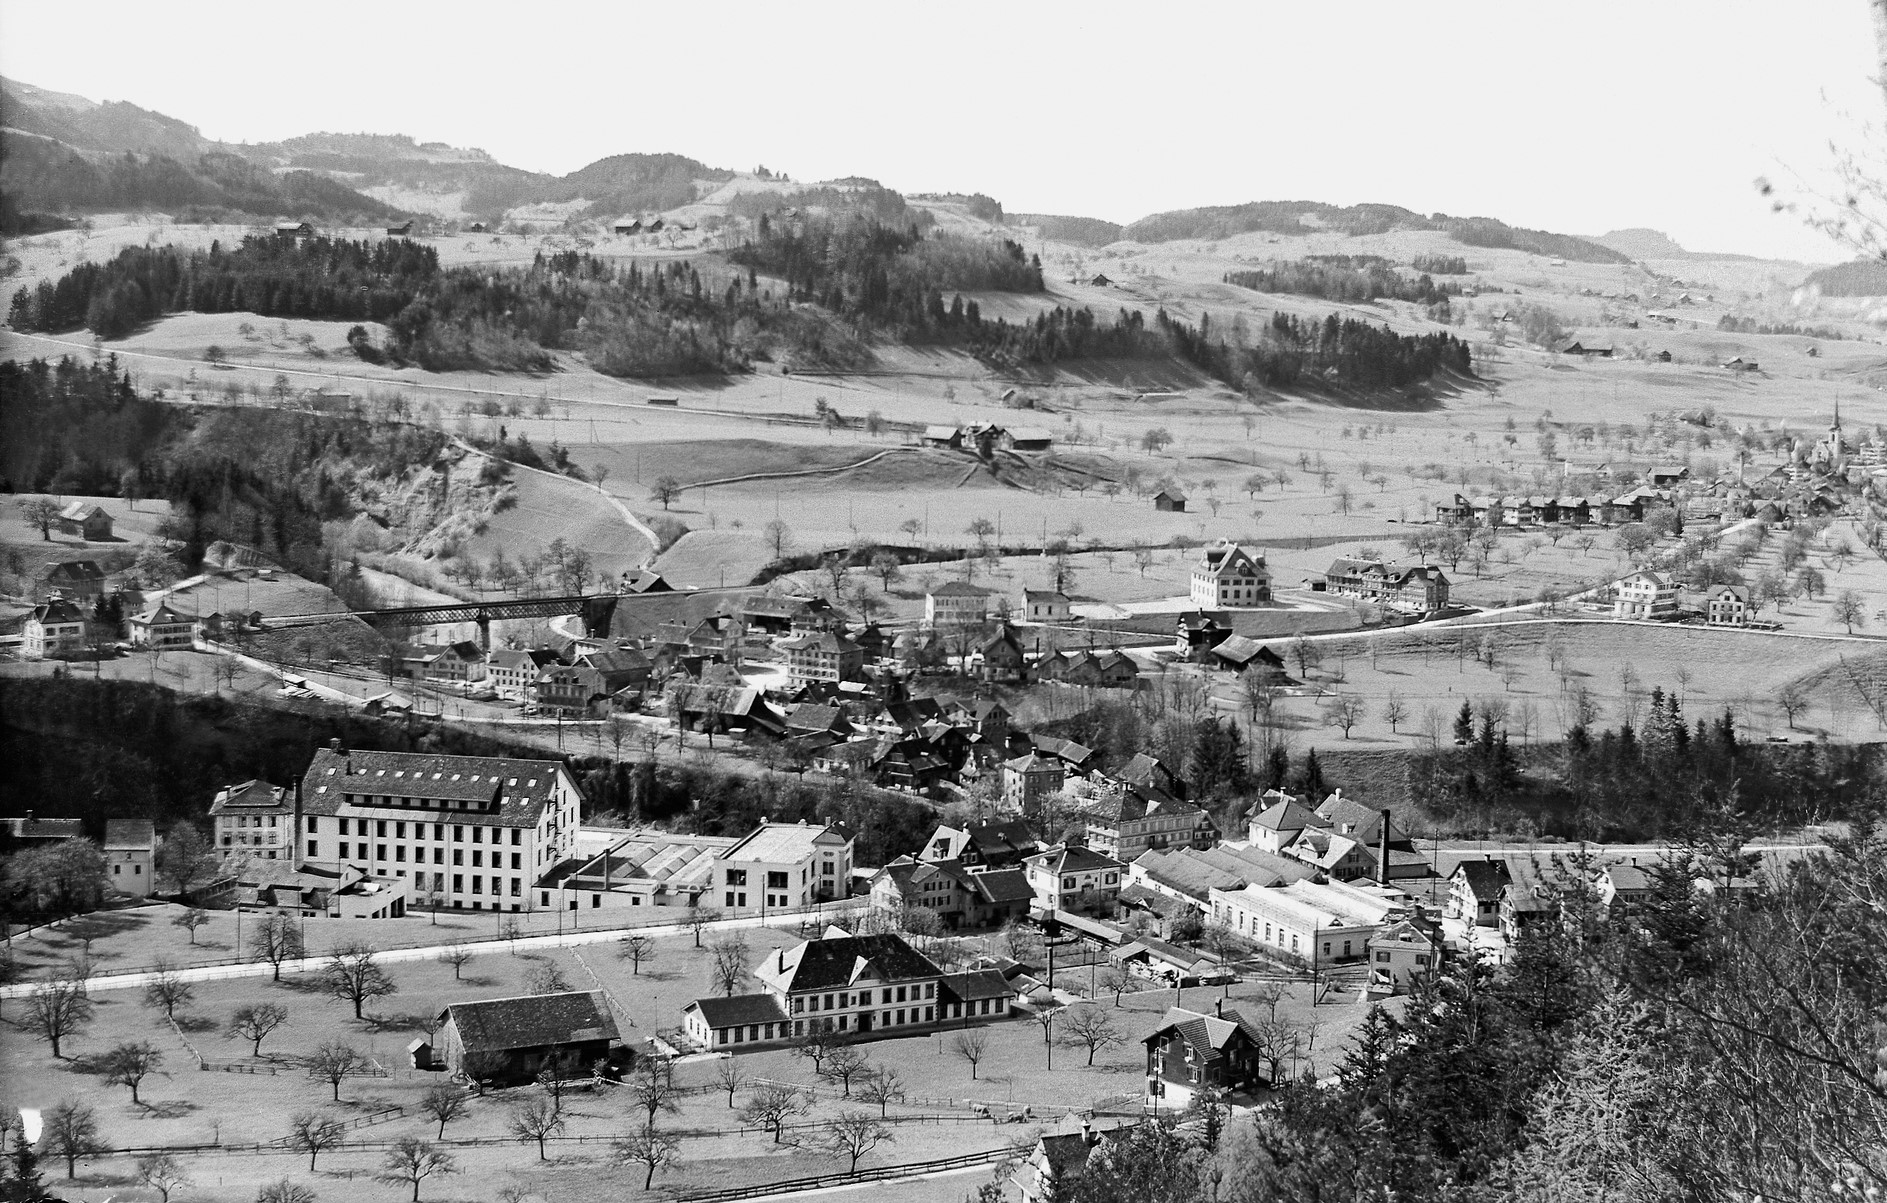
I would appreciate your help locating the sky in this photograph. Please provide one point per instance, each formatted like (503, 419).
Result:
(1574, 118)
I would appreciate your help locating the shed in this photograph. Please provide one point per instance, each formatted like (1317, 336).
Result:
(294, 229)
(1171, 501)
(477, 227)
(1101, 281)
(628, 225)
(1028, 438)
(87, 520)
(401, 230)
(670, 402)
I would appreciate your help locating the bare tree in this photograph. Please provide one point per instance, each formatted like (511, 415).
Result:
(546, 977)
(128, 1064)
(696, 921)
(57, 1009)
(285, 1191)
(275, 939)
(843, 1064)
(1395, 711)
(779, 537)
(1117, 979)
(313, 1133)
(412, 1160)
(167, 991)
(972, 1045)
(854, 1134)
(455, 955)
(652, 1088)
(40, 512)
(822, 1036)
(728, 1073)
(1088, 1026)
(254, 1023)
(1345, 711)
(665, 490)
(443, 1102)
(649, 1149)
(731, 956)
(352, 975)
(333, 1062)
(635, 950)
(1046, 1018)
(161, 1172)
(1792, 698)
(191, 919)
(882, 1086)
(771, 1104)
(69, 1129)
(538, 1119)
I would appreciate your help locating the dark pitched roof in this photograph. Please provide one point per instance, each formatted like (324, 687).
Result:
(522, 787)
(130, 833)
(1075, 859)
(1003, 885)
(1206, 1035)
(821, 964)
(497, 1024)
(74, 570)
(1484, 877)
(738, 1011)
(45, 829)
(974, 984)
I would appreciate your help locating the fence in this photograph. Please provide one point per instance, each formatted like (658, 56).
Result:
(911, 1100)
(909, 1169)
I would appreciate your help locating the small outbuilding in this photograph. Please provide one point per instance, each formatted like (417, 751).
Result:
(628, 225)
(402, 230)
(668, 402)
(513, 1039)
(87, 520)
(1170, 501)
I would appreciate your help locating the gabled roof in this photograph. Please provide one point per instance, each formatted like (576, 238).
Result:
(130, 834)
(1485, 877)
(742, 1010)
(1241, 649)
(521, 787)
(44, 829)
(1073, 859)
(250, 795)
(74, 570)
(840, 961)
(1206, 1035)
(1043, 596)
(959, 589)
(500, 1024)
(161, 615)
(80, 511)
(974, 984)
(57, 611)
(1288, 815)
(1003, 885)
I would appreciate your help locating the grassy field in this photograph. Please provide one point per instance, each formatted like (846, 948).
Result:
(182, 1104)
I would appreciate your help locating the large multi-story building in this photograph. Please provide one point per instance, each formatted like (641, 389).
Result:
(957, 604)
(824, 656)
(1073, 878)
(783, 865)
(161, 628)
(1645, 594)
(1311, 922)
(1415, 589)
(54, 628)
(254, 819)
(1130, 823)
(469, 832)
(1228, 575)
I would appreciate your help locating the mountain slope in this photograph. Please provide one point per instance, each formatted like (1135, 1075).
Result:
(1305, 217)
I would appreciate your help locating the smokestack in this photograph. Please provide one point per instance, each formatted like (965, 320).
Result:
(1382, 849)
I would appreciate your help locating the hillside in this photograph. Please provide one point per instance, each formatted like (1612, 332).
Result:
(1289, 218)
(1859, 278)
(1640, 242)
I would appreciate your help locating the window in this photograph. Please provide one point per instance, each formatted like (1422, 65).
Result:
(458, 884)
(478, 860)
(458, 856)
(438, 856)
(517, 836)
(343, 852)
(311, 848)
(478, 835)
(314, 825)
(458, 834)
(517, 862)
(379, 851)
(399, 830)
(478, 884)
(380, 828)
(399, 852)
(737, 877)
(1382, 956)
(777, 881)
(730, 898)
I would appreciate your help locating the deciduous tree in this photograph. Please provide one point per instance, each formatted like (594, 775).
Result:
(649, 1149)
(412, 1161)
(352, 975)
(254, 1023)
(57, 1009)
(443, 1102)
(69, 1130)
(853, 1134)
(333, 1062)
(771, 1104)
(129, 1063)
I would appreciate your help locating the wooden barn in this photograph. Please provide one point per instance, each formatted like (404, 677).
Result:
(1170, 501)
(512, 1039)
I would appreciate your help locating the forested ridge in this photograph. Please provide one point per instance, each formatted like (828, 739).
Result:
(1343, 282)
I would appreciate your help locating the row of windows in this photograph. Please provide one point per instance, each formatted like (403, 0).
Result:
(811, 1002)
(345, 852)
(244, 821)
(419, 830)
(756, 1032)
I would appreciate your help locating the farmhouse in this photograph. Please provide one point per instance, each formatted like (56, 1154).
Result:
(502, 822)
(87, 520)
(851, 984)
(401, 230)
(1002, 658)
(627, 225)
(1100, 281)
(1278, 825)
(1474, 890)
(1028, 438)
(1589, 350)
(513, 1039)
(1243, 655)
(514, 671)
(82, 579)
(54, 628)
(948, 437)
(1228, 575)
(294, 229)
(161, 628)
(1170, 501)
(591, 678)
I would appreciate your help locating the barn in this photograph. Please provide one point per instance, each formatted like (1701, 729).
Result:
(1170, 501)
(512, 1039)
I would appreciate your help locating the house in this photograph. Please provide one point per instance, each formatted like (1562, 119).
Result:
(484, 828)
(1170, 501)
(777, 614)
(1403, 951)
(957, 604)
(1075, 756)
(1621, 887)
(454, 663)
(54, 628)
(1358, 841)
(1456, 511)
(1028, 780)
(591, 678)
(514, 671)
(1645, 595)
(294, 229)
(1227, 575)
(1057, 1160)
(957, 894)
(1474, 890)
(1739, 364)
(1073, 878)
(1101, 281)
(1667, 477)
(1001, 658)
(1419, 588)
(161, 628)
(477, 227)
(1525, 902)
(781, 866)
(1094, 669)
(851, 984)
(1277, 826)
(512, 1040)
(654, 226)
(1143, 774)
(1191, 1050)
(643, 581)
(402, 230)
(86, 519)
(1199, 631)
(627, 225)
(1243, 655)
(131, 853)
(716, 708)
(948, 437)
(1726, 606)
(1128, 824)
(822, 656)
(82, 579)
(254, 819)
(1310, 922)
(1046, 605)
(1663, 357)
(1027, 438)
(988, 844)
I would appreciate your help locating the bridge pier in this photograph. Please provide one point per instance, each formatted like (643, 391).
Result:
(484, 631)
